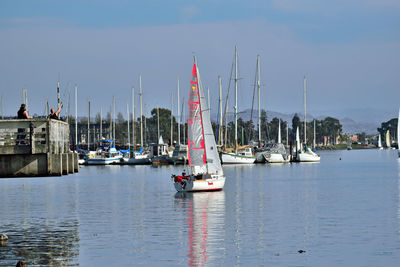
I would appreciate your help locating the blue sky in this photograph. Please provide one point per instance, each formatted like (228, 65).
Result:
(349, 51)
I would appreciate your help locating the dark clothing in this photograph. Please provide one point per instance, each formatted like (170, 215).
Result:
(21, 114)
(53, 116)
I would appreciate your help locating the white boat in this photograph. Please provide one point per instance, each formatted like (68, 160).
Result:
(205, 166)
(245, 154)
(105, 154)
(398, 134)
(305, 154)
(241, 156)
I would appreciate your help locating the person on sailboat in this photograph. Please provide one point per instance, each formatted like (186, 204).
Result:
(54, 115)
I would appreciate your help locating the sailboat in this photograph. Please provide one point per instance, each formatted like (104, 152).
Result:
(206, 170)
(380, 141)
(398, 134)
(306, 154)
(243, 154)
(349, 143)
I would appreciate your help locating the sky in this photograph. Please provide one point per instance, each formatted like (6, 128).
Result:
(348, 50)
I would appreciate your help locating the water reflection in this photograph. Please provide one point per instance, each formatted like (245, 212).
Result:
(205, 219)
(42, 243)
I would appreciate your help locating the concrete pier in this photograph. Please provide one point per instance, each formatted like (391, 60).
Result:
(35, 147)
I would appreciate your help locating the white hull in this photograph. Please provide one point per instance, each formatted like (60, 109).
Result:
(81, 161)
(103, 161)
(139, 160)
(231, 158)
(308, 156)
(276, 158)
(215, 183)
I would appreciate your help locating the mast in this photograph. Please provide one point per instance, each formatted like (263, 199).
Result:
(129, 134)
(314, 136)
(259, 99)
(178, 118)
(172, 129)
(88, 125)
(305, 111)
(220, 141)
(184, 118)
(114, 119)
(279, 132)
(141, 110)
(158, 123)
(24, 97)
(101, 123)
(2, 107)
(76, 116)
(133, 119)
(287, 133)
(208, 95)
(236, 79)
(58, 91)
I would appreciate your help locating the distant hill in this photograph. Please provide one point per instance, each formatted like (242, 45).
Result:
(350, 125)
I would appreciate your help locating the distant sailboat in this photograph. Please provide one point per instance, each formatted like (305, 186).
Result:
(306, 155)
(206, 170)
(243, 154)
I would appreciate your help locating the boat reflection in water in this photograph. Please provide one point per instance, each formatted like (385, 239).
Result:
(205, 222)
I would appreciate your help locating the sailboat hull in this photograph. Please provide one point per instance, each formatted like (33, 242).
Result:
(308, 157)
(231, 158)
(276, 158)
(216, 183)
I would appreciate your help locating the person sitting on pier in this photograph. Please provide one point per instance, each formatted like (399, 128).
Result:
(22, 114)
(54, 115)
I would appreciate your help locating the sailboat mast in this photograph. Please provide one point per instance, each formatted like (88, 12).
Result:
(76, 116)
(305, 111)
(133, 118)
(279, 132)
(220, 130)
(129, 134)
(314, 136)
(172, 129)
(236, 79)
(259, 99)
(58, 91)
(178, 118)
(141, 110)
(287, 133)
(114, 118)
(101, 123)
(2, 107)
(88, 126)
(158, 123)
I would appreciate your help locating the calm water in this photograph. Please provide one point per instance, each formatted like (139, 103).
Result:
(341, 212)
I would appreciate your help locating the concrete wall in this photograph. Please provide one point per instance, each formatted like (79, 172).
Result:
(23, 165)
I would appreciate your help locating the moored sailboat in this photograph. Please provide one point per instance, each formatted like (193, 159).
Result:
(306, 154)
(206, 170)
